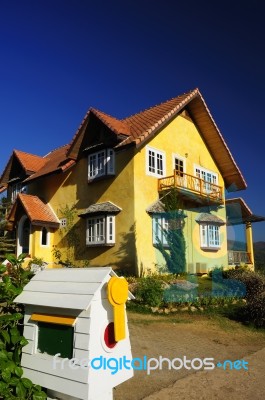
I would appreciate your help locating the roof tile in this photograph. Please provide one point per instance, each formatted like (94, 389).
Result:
(37, 211)
(55, 161)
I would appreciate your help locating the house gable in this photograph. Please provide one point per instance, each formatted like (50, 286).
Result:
(139, 128)
(20, 166)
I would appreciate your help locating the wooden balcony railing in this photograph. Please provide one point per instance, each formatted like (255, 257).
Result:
(238, 257)
(191, 184)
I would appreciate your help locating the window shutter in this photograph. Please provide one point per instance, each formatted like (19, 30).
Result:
(203, 235)
(110, 222)
(110, 162)
(165, 226)
(156, 229)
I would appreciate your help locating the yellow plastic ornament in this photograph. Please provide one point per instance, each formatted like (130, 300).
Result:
(117, 296)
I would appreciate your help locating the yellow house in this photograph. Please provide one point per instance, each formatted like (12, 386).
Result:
(110, 196)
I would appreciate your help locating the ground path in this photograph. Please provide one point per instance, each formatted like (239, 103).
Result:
(194, 336)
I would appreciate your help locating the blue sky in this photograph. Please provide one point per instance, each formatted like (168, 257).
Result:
(60, 57)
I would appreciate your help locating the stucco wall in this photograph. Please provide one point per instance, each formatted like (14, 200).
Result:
(73, 190)
(133, 191)
(179, 137)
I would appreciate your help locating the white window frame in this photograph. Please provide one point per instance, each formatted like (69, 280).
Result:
(159, 226)
(15, 189)
(100, 230)
(63, 222)
(159, 156)
(101, 163)
(210, 237)
(178, 157)
(205, 174)
(47, 239)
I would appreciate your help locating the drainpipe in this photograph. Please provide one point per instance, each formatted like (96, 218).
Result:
(249, 240)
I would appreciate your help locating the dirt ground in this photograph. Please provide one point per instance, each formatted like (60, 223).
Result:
(194, 336)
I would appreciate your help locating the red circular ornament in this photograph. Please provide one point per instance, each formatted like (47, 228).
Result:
(109, 337)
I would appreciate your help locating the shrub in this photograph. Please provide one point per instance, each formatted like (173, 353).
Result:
(255, 294)
(150, 291)
(12, 383)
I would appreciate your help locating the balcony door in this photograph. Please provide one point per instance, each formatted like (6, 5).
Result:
(179, 165)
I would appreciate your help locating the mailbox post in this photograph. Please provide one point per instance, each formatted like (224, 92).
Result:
(76, 326)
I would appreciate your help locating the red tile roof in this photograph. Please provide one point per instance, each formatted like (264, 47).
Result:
(142, 126)
(38, 212)
(146, 122)
(137, 129)
(30, 162)
(36, 166)
(55, 161)
(117, 126)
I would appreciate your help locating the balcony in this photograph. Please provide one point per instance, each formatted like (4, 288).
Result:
(238, 257)
(192, 188)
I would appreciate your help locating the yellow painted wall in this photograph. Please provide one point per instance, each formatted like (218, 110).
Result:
(37, 249)
(179, 137)
(72, 189)
(133, 191)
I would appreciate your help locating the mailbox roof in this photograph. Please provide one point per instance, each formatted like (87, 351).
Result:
(72, 288)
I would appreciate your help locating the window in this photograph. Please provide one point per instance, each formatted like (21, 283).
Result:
(15, 189)
(100, 230)
(44, 237)
(155, 164)
(160, 226)
(101, 163)
(210, 236)
(209, 178)
(179, 164)
(63, 222)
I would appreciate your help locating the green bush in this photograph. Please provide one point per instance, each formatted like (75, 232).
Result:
(150, 291)
(255, 295)
(12, 383)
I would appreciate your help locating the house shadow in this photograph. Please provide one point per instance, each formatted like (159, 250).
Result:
(126, 254)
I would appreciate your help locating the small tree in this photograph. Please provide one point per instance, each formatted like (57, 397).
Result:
(175, 254)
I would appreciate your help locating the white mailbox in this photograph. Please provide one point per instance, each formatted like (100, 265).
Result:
(80, 314)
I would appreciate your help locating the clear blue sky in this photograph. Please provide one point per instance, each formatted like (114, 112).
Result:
(60, 57)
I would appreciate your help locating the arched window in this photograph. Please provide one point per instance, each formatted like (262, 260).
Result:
(44, 237)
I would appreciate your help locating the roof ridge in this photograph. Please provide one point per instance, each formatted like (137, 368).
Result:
(25, 152)
(57, 148)
(93, 109)
(160, 104)
(118, 126)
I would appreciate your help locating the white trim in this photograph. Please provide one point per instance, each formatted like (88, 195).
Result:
(214, 174)
(110, 229)
(179, 157)
(156, 167)
(207, 233)
(159, 225)
(101, 163)
(102, 229)
(110, 162)
(63, 222)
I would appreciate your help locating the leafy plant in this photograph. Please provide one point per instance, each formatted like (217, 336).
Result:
(255, 295)
(175, 254)
(150, 291)
(69, 234)
(12, 383)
